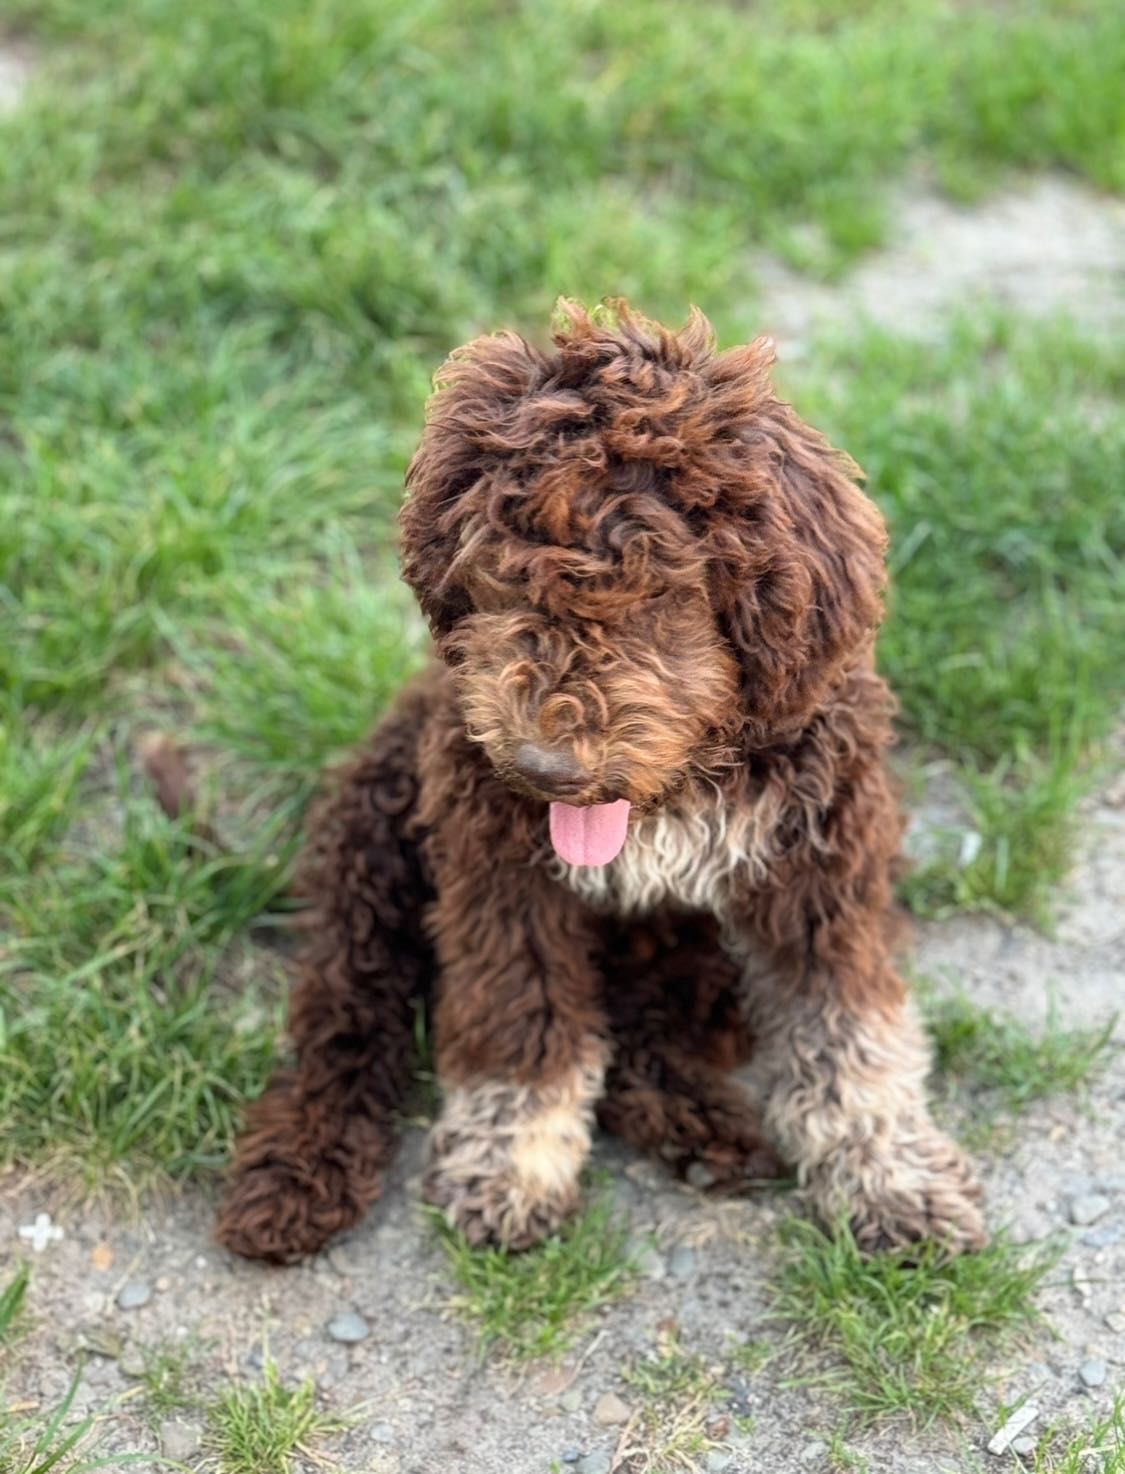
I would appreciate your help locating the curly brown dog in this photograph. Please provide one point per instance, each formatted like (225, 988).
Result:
(637, 811)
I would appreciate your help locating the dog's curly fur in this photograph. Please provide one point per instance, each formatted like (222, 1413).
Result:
(632, 553)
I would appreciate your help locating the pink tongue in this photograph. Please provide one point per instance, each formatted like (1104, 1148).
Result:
(590, 836)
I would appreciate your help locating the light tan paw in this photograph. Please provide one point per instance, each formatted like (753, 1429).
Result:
(916, 1187)
(505, 1159)
(497, 1210)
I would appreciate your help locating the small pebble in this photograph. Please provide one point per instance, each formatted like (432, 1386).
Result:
(610, 1411)
(179, 1440)
(1024, 1445)
(571, 1400)
(132, 1362)
(700, 1176)
(649, 1261)
(718, 1460)
(1102, 1237)
(1115, 1320)
(347, 1326)
(812, 1452)
(681, 1261)
(599, 1463)
(571, 1455)
(1088, 1208)
(1092, 1372)
(163, 1283)
(383, 1433)
(133, 1294)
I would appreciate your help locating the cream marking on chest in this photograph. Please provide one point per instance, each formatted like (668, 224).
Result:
(690, 854)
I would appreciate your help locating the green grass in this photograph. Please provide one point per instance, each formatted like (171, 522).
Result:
(910, 1334)
(1100, 1446)
(533, 1305)
(675, 1424)
(167, 1381)
(261, 1427)
(1000, 478)
(232, 252)
(12, 1298)
(979, 1049)
(52, 1445)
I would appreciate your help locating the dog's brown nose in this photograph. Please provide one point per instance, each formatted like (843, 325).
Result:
(550, 770)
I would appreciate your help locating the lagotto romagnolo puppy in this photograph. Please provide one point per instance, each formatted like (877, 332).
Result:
(632, 824)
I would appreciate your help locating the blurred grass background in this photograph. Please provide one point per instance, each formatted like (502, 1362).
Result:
(235, 242)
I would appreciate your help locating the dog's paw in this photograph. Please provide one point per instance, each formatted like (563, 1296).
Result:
(497, 1210)
(279, 1213)
(510, 1188)
(915, 1188)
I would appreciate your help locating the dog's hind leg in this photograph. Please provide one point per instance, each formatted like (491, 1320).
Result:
(674, 1004)
(311, 1158)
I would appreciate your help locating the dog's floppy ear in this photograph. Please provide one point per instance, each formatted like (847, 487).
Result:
(472, 425)
(798, 551)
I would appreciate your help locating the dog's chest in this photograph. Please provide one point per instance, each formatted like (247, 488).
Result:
(690, 858)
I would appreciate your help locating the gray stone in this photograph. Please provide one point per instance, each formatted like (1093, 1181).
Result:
(132, 1361)
(700, 1176)
(1104, 1235)
(348, 1326)
(599, 1463)
(610, 1411)
(179, 1440)
(718, 1460)
(571, 1400)
(1088, 1208)
(382, 1433)
(133, 1294)
(1092, 1372)
(681, 1261)
(813, 1452)
(1024, 1446)
(648, 1261)
(571, 1455)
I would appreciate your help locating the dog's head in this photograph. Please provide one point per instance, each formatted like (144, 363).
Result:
(637, 560)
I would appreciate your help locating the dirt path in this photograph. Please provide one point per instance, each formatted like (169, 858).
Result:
(1044, 245)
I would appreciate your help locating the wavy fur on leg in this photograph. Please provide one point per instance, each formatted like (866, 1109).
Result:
(847, 1106)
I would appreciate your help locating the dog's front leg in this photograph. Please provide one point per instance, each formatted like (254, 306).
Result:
(843, 1061)
(521, 1051)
